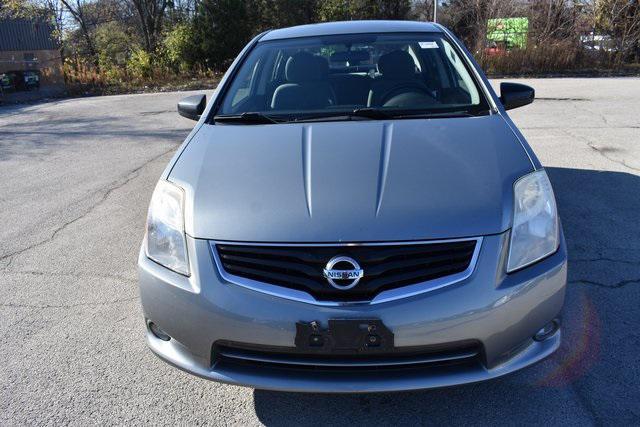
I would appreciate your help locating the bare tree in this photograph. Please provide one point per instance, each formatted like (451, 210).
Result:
(55, 10)
(422, 10)
(77, 9)
(553, 20)
(621, 20)
(151, 14)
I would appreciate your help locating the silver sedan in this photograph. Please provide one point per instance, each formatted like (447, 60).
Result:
(354, 211)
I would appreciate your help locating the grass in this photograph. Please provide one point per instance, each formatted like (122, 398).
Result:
(561, 58)
(82, 80)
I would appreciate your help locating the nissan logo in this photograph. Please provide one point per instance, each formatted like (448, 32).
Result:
(343, 272)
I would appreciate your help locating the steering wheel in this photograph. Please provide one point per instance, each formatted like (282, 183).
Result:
(406, 92)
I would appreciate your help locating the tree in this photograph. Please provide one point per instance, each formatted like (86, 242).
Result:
(621, 20)
(177, 51)
(54, 10)
(221, 29)
(16, 9)
(346, 10)
(553, 20)
(422, 10)
(283, 13)
(77, 9)
(151, 15)
(113, 44)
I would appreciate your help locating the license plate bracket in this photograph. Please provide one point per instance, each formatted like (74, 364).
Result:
(344, 336)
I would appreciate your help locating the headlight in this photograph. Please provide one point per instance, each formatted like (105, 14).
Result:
(535, 221)
(165, 240)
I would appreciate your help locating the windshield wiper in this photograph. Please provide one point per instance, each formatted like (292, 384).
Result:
(364, 113)
(380, 114)
(372, 113)
(247, 118)
(439, 114)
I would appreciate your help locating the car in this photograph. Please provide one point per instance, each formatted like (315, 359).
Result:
(7, 81)
(30, 79)
(495, 49)
(333, 227)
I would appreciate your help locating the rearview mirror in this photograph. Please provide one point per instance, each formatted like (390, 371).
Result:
(192, 107)
(514, 95)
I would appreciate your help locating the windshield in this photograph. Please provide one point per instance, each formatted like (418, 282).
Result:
(389, 74)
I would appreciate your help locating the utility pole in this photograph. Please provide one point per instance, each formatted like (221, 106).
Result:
(435, 10)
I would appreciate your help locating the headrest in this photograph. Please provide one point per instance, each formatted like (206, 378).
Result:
(397, 63)
(304, 67)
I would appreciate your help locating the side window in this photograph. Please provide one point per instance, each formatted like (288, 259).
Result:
(244, 88)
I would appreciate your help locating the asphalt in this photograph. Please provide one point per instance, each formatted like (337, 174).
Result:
(75, 180)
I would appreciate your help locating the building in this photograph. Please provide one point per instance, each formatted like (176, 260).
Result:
(29, 45)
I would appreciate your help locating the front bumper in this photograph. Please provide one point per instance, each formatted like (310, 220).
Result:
(501, 312)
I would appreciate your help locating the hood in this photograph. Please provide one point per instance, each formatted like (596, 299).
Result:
(351, 181)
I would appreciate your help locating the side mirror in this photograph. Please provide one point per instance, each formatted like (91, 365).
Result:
(514, 95)
(192, 107)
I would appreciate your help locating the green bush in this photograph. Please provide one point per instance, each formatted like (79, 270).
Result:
(177, 49)
(140, 64)
(113, 45)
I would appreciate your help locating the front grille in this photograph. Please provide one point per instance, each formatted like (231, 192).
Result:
(235, 354)
(385, 266)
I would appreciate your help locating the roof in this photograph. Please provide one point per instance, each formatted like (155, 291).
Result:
(351, 27)
(25, 34)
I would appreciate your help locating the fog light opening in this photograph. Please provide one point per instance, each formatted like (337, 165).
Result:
(158, 333)
(547, 330)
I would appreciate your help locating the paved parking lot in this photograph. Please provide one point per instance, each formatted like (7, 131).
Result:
(75, 180)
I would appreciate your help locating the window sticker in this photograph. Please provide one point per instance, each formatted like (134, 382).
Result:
(428, 45)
